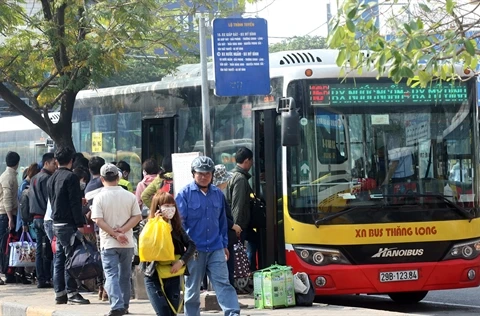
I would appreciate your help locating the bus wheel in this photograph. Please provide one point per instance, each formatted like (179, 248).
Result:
(408, 297)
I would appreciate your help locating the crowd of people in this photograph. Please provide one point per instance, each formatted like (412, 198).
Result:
(64, 194)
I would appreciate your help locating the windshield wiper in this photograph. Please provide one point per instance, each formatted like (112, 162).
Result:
(452, 205)
(318, 222)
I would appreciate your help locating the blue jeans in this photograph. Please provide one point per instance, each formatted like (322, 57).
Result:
(157, 297)
(215, 265)
(66, 236)
(117, 266)
(3, 232)
(43, 266)
(48, 226)
(251, 237)
(231, 265)
(3, 226)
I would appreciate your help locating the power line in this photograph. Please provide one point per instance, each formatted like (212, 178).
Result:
(273, 1)
(323, 24)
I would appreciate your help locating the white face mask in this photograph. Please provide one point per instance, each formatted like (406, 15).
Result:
(168, 211)
(144, 173)
(82, 185)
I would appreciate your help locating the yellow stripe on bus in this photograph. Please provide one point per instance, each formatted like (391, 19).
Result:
(356, 234)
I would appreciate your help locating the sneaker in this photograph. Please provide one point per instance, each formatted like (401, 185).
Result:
(1, 282)
(10, 279)
(242, 306)
(78, 299)
(116, 312)
(61, 299)
(44, 285)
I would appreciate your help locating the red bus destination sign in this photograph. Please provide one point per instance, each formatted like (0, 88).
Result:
(384, 94)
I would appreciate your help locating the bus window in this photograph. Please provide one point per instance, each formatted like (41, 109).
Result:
(359, 139)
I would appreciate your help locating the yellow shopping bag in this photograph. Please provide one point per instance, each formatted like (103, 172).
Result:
(155, 241)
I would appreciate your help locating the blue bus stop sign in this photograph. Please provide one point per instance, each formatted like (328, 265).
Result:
(240, 57)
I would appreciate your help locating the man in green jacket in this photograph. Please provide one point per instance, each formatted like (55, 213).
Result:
(238, 196)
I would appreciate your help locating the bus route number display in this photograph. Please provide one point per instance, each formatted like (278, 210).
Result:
(384, 94)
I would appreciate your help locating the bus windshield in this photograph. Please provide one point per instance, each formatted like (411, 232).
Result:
(375, 152)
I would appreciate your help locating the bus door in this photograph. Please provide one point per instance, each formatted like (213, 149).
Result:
(159, 138)
(267, 183)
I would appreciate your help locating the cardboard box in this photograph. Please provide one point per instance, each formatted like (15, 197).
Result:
(273, 287)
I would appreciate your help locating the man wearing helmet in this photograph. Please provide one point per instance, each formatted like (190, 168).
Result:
(202, 207)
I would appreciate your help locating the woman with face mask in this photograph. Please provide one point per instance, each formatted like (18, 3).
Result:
(163, 205)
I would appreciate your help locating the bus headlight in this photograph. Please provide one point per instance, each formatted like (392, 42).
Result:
(320, 256)
(465, 250)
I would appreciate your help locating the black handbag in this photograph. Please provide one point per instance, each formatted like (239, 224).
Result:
(85, 263)
(258, 212)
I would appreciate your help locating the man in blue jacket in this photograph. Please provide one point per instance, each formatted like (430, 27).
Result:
(202, 207)
(66, 199)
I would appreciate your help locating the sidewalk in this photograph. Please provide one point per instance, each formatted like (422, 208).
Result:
(27, 300)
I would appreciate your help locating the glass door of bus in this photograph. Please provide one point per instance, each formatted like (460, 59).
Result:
(267, 183)
(159, 138)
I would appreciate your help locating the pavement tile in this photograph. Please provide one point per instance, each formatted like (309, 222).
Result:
(27, 300)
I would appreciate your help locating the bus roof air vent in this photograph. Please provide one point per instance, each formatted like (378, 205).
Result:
(299, 58)
(303, 57)
(54, 116)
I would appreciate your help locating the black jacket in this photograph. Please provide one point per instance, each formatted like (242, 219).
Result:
(37, 194)
(66, 198)
(184, 246)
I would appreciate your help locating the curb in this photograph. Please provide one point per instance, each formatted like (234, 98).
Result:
(15, 309)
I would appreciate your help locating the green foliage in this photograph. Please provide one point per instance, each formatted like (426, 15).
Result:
(299, 43)
(144, 69)
(51, 54)
(427, 39)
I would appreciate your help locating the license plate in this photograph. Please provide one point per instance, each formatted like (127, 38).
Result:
(394, 276)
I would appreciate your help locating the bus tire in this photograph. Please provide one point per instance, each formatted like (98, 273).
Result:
(408, 297)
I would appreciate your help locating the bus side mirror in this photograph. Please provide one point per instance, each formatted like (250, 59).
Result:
(290, 131)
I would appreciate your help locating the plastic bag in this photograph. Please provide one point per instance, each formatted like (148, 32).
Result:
(163, 269)
(241, 263)
(300, 281)
(308, 298)
(155, 242)
(22, 253)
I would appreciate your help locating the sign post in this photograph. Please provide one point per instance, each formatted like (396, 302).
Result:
(240, 57)
(181, 168)
(207, 144)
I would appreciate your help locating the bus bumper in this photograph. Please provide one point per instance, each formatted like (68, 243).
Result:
(365, 279)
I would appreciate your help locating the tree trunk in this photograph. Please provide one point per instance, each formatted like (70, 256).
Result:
(61, 133)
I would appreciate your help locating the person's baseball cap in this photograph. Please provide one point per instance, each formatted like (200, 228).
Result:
(221, 175)
(108, 169)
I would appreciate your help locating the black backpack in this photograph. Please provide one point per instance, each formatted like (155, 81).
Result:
(24, 207)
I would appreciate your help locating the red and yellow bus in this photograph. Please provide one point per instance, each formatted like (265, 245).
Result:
(379, 181)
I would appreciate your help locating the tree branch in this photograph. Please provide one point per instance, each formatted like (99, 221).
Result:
(45, 84)
(57, 98)
(47, 10)
(62, 50)
(17, 103)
